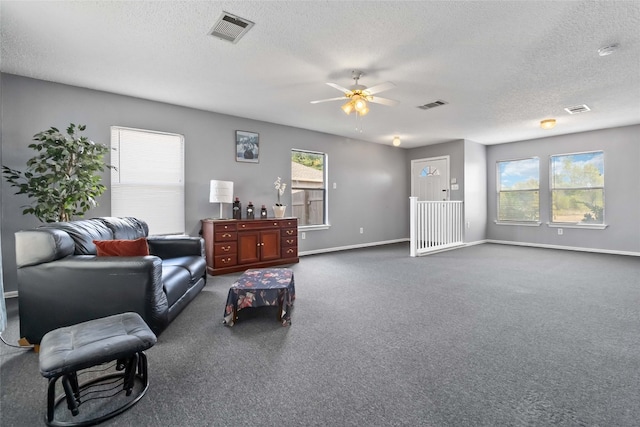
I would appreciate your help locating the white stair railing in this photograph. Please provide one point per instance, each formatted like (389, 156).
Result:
(435, 225)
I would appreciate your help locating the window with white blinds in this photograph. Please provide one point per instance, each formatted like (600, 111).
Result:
(148, 179)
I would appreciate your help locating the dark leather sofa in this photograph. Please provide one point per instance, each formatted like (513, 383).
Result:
(62, 282)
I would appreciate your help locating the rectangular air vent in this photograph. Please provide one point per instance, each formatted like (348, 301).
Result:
(577, 109)
(433, 104)
(230, 27)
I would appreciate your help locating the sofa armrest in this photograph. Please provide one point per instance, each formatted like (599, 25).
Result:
(167, 247)
(80, 288)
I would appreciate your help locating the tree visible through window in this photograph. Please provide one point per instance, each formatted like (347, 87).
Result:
(577, 188)
(519, 190)
(308, 189)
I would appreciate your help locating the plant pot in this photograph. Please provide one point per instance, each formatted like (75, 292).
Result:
(278, 211)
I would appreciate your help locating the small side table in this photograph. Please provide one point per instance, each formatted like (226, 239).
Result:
(262, 287)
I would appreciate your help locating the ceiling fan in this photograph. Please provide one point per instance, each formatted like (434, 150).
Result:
(358, 95)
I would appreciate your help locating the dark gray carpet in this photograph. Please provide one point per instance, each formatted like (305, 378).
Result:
(487, 335)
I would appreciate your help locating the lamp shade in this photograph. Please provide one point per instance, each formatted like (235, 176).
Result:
(220, 191)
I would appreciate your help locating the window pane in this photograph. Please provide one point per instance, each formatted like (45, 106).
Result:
(518, 190)
(308, 206)
(577, 184)
(519, 174)
(308, 187)
(519, 206)
(584, 170)
(585, 206)
(151, 189)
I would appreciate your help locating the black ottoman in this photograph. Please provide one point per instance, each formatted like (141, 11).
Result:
(121, 339)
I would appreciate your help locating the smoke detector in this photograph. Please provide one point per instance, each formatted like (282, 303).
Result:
(230, 27)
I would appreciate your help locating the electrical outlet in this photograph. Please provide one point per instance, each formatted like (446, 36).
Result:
(335, 185)
(361, 230)
(560, 231)
(303, 235)
(468, 224)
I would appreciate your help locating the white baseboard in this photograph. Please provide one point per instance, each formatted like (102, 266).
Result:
(564, 248)
(344, 248)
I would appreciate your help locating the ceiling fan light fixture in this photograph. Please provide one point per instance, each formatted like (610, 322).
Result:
(548, 124)
(347, 108)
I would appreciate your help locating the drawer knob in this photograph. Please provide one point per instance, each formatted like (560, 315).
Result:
(226, 248)
(226, 235)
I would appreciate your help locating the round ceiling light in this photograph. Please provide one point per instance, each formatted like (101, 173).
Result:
(548, 124)
(396, 141)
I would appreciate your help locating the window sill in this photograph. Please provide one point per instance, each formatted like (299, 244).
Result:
(520, 223)
(574, 225)
(313, 227)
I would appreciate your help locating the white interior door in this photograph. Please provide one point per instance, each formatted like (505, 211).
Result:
(430, 179)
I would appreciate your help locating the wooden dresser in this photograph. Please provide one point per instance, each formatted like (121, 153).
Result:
(237, 245)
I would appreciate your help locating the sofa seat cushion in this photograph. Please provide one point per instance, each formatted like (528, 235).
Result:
(196, 265)
(176, 281)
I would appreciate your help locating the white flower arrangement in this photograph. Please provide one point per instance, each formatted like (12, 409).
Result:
(280, 186)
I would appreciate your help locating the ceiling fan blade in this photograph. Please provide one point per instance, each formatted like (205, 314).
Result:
(379, 88)
(383, 101)
(329, 99)
(340, 88)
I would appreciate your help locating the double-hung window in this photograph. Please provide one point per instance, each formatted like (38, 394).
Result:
(518, 190)
(308, 187)
(148, 179)
(577, 188)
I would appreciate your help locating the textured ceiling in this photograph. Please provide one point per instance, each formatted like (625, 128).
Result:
(502, 66)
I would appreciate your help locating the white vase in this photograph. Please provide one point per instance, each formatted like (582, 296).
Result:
(278, 211)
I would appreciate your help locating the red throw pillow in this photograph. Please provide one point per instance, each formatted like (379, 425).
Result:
(137, 247)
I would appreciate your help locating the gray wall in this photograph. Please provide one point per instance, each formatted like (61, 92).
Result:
(467, 163)
(475, 191)
(622, 190)
(455, 151)
(371, 180)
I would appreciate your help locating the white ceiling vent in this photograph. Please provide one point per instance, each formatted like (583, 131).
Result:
(577, 109)
(230, 27)
(433, 104)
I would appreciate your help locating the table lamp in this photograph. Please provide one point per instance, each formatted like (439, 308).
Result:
(220, 192)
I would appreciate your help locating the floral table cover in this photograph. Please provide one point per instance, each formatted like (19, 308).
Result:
(262, 287)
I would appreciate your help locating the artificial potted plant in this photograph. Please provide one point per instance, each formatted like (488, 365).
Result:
(62, 179)
(279, 208)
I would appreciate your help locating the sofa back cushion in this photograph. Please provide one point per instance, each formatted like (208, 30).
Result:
(84, 232)
(126, 228)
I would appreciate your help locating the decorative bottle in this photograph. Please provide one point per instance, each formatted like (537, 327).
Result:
(237, 209)
(263, 212)
(250, 211)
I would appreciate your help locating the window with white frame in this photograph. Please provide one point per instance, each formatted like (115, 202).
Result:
(577, 188)
(308, 187)
(148, 179)
(518, 185)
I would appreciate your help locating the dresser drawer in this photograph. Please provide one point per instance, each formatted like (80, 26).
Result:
(225, 248)
(219, 228)
(289, 241)
(225, 261)
(225, 236)
(286, 223)
(290, 252)
(289, 232)
(258, 224)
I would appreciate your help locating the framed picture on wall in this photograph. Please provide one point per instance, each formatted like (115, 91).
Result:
(247, 146)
